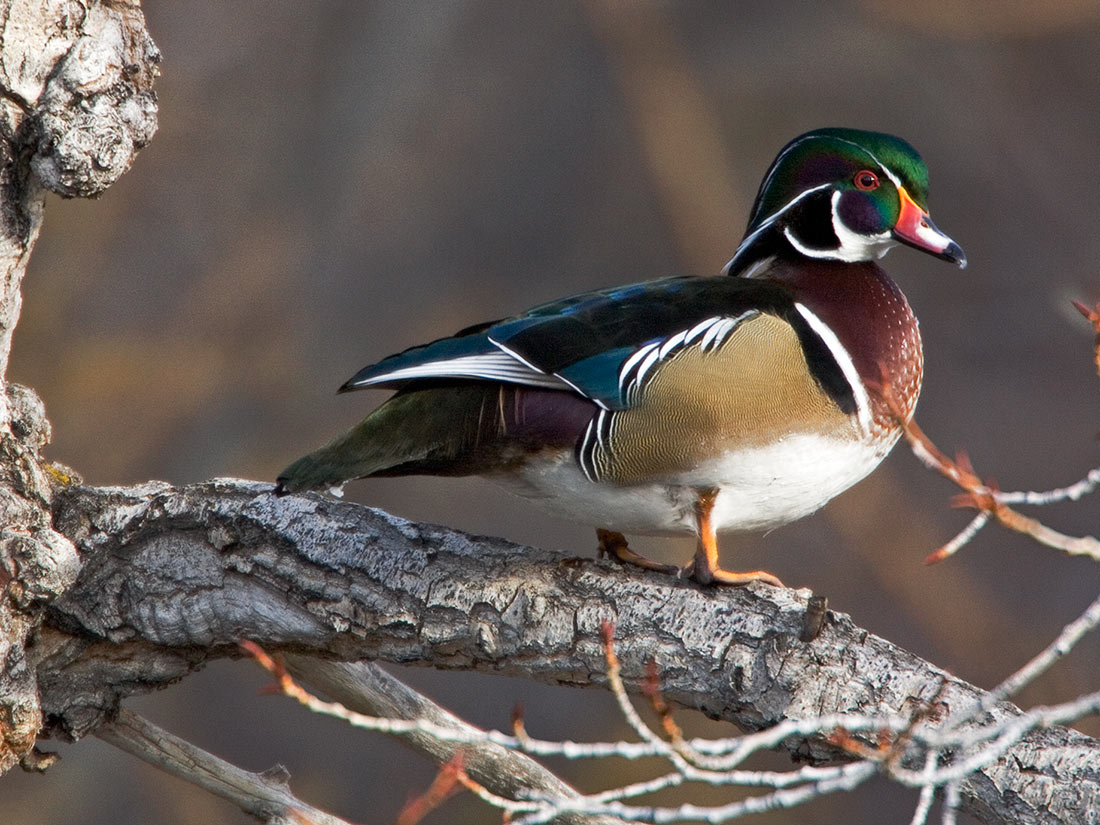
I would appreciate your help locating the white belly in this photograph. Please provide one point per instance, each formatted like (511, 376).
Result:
(759, 488)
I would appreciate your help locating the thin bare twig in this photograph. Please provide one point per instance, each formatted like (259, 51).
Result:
(987, 498)
(487, 764)
(446, 784)
(265, 796)
(950, 752)
(1092, 315)
(1071, 634)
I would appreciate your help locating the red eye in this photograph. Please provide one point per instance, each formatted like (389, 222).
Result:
(866, 180)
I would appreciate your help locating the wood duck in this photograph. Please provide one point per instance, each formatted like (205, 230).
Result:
(687, 405)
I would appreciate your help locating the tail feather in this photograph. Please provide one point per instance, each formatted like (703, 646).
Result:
(454, 428)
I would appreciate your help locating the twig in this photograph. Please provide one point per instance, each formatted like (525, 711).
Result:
(990, 741)
(962, 751)
(791, 787)
(986, 498)
(721, 759)
(1093, 317)
(488, 764)
(1072, 492)
(626, 707)
(1071, 634)
(447, 731)
(846, 778)
(445, 785)
(262, 795)
(927, 791)
(964, 536)
(951, 801)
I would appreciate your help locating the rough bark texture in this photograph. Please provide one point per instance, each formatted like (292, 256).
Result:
(36, 565)
(172, 577)
(75, 88)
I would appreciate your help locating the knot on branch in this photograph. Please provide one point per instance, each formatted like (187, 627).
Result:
(98, 108)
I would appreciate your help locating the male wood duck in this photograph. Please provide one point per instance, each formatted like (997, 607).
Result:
(687, 405)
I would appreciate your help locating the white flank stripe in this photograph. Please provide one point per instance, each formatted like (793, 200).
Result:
(724, 329)
(844, 361)
(669, 345)
(700, 328)
(580, 392)
(588, 466)
(712, 333)
(601, 419)
(629, 363)
(650, 360)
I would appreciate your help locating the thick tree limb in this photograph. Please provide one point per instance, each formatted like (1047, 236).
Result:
(172, 577)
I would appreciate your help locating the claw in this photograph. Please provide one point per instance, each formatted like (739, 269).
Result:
(613, 545)
(704, 567)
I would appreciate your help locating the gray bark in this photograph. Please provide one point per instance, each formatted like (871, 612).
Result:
(76, 104)
(265, 796)
(173, 577)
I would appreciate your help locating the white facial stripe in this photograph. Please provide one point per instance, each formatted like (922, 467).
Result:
(771, 219)
(758, 266)
(844, 361)
(852, 247)
(856, 247)
(886, 170)
(775, 164)
(781, 155)
(809, 251)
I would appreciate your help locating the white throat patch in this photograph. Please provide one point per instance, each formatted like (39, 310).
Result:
(853, 247)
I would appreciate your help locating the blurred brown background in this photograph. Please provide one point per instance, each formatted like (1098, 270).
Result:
(333, 182)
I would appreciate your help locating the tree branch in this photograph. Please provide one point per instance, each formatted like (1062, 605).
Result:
(265, 796)
(365, 688)
(172, 577)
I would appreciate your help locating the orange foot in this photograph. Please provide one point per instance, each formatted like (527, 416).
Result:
(613, 545)
(716, 575)
(704, 567)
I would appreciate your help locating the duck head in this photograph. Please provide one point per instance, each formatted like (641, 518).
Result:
(842, 195)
